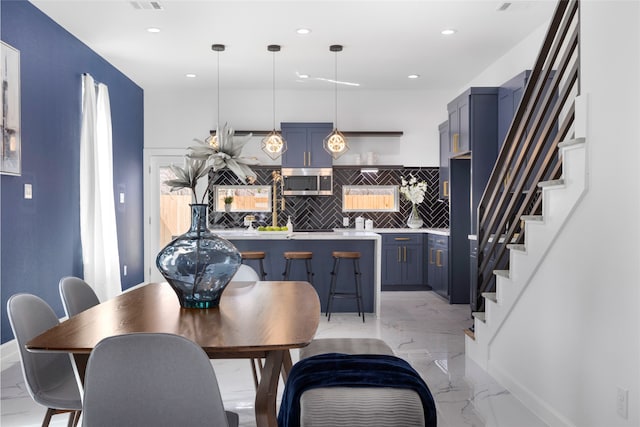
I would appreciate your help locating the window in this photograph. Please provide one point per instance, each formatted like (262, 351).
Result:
(370, 198)
(246, 198)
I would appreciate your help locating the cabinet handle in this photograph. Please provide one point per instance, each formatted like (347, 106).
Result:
(456, 143)
(438, 263)
(430, 255)
(304, 158)
(399, 259)
(405, 253)
(402, 238)
(309, 157)
(445, 190)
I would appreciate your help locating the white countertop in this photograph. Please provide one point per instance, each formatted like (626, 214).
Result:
(243, 234)
(337, 234)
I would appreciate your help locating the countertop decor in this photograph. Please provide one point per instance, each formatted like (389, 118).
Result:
(414, 191)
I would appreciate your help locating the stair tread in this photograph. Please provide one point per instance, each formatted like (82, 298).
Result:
(490, 296)
(551, 183)
(570, 142)
(503, 273)
(480, 315)
(517, 247)
(468, 332)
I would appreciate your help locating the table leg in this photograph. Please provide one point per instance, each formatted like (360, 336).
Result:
(286, 365)
(267, 390)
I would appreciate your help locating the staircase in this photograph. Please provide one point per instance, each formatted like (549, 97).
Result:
(538, 180)
(559, 199)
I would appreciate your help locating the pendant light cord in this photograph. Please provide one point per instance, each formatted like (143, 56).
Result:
(218, 122)
(335, 85)
(274, 90)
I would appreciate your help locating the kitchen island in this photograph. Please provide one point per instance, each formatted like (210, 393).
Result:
(322, 244)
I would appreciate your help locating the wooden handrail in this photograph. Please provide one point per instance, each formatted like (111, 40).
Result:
(544, 118)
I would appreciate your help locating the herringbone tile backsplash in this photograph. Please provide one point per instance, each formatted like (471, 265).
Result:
(325, 212)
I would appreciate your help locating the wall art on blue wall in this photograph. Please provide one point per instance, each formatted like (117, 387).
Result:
(10, 162)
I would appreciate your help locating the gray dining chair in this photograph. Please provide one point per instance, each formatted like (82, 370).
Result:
(247, 274)
(76, 295)
(152, 379)
(49, 377)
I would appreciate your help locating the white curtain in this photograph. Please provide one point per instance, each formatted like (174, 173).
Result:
(98, 231)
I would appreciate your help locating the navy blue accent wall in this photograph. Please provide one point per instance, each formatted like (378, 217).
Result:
(40, 238)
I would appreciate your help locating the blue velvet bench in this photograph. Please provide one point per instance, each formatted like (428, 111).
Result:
(359, 406)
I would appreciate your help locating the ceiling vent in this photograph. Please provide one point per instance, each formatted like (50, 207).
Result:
(504, 6)
(146, 5)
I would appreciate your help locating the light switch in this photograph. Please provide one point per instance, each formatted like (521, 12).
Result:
(28, 191)
(121, 198)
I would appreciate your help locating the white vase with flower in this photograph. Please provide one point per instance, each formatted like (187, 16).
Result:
(414, 191)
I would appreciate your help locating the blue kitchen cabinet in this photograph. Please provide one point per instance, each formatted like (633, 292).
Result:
(459, 138)
(473, 115)
(443, 129)
(438, 264)
(304, 145)
(402, 261)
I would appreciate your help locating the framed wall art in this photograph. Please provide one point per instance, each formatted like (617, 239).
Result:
(10, 153)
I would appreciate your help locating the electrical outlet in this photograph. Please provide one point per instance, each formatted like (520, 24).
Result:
(622, 403)
(28, 191)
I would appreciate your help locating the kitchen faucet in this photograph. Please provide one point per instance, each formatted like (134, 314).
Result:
(274, 214)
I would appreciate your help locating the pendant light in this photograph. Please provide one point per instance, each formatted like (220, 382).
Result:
(336, 143)
(274, 144)
(213, 139)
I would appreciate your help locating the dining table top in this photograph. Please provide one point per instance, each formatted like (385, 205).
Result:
(252, 319)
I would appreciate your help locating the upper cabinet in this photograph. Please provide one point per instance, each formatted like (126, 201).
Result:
(443, 128)
(304, 145)
(458, 111)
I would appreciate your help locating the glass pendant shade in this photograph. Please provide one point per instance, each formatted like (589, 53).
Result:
(335, 144)
(274, 144)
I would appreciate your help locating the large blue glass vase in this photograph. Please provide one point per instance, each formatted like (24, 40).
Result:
(199, 264)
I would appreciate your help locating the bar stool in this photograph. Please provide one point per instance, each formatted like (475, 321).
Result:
(357, 293)
(291, 256)
(257, 256)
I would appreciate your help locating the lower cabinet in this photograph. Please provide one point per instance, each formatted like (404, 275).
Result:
(402, 264)
(438, 264)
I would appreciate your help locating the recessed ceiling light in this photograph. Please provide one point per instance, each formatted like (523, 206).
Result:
(303, 76)
(190, 75)
(303, 31)
(153, 30)
(448, 31)
(413, 76)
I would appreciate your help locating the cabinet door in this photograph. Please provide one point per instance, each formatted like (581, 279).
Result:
(444, 160)
(464, 144)
(317, 156)
(454, 130)
(412, 264)
(296, 154)
(391, 264)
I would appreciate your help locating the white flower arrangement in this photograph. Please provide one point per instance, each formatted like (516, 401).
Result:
(412, 189)
(224, 153)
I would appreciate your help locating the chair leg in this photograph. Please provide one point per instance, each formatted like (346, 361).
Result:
(263, 275)
(309, 270)
(287, 269)
(357, 274)
(47, 417)
(332, 287)
(74, 417)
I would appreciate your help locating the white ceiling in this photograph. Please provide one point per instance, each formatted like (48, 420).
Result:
(384, 41)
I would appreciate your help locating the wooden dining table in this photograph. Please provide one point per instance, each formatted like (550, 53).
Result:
(253, 320)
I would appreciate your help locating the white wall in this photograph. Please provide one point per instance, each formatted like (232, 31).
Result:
(173, 119)
(573, 337)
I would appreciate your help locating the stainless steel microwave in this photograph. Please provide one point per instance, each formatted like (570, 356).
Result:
(307, 181)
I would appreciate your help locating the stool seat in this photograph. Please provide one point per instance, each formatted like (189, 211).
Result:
(343, 254)
(298, 255)
(301, 255)
(255, 256)
(252, 255)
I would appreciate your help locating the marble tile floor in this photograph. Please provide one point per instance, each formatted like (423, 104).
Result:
(421, 327)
